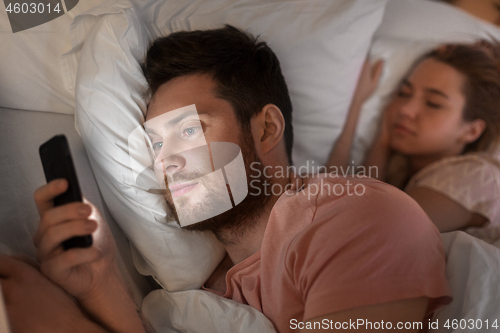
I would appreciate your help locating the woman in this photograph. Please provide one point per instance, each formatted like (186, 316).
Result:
(438, 136)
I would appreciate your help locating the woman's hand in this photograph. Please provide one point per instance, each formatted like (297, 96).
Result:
(81, 272)
(367, 81)
(380, 152)
(384, 133)
(35, 304)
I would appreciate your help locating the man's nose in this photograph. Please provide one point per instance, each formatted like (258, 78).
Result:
(170, 164)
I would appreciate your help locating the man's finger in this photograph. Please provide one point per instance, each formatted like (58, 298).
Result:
(57, 234)
(63, 263)
(58, 215)
(45, 195)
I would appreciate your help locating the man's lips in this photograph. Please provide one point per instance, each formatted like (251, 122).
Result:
(403, 129)
(180, 189)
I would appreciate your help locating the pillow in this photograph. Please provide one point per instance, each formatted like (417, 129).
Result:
(31, 76)
(472, 268)
(321, 51)
(408, 30)
(186, 311)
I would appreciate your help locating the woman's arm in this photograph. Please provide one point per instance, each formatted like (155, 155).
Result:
(444, 212)
(379, 154)
(367, 83)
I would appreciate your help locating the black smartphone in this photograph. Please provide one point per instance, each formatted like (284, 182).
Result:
(57, 163)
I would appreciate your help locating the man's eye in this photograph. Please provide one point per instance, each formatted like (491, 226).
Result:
(190, 131)
(157, 146)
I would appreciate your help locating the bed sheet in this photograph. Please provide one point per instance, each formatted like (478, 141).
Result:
(21, 133)
(473, 272)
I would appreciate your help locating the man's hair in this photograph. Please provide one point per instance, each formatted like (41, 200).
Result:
(246, 71)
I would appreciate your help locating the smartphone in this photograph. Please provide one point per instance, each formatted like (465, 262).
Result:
(57, 163)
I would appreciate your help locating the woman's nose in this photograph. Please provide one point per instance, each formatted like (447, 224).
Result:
(409, 108)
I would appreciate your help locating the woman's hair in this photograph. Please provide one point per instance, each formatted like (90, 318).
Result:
(480, 64)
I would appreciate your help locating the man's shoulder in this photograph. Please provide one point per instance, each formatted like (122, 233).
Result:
(378, 218)
(329, 208)
(362, 210)
(336, 199)
(352, 190)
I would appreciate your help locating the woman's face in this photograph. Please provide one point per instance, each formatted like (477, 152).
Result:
(425, 115)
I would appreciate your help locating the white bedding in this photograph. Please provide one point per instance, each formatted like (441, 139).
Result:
(199, 311)
(473, 271)
(31, 75)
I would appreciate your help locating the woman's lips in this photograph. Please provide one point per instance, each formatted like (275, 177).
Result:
(403, 129)
(180, 189)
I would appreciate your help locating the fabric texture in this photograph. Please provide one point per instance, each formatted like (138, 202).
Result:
(472, 270)
(201, 311)
(471, 180)
(325, 251)
(31, 74)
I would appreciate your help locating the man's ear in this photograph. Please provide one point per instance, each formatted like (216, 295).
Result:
(473, 130)
(272, 126)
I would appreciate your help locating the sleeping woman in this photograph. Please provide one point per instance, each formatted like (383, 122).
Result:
(438, 136)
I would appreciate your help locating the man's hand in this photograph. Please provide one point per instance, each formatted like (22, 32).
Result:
(90, 274)
(35, 304)
(81, 272)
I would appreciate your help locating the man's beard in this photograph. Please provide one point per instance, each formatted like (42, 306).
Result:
(235, 222)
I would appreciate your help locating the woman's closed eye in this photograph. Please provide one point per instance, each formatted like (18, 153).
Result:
(433, 105)
(404, 94)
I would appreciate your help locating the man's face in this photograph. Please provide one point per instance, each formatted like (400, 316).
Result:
(183, 118)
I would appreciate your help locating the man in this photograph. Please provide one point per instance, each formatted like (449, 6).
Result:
(309, 256)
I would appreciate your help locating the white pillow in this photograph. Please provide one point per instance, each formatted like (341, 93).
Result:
(472, 270)
(201, 311)
(30, 68)
(409, 29)
(321, 45)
